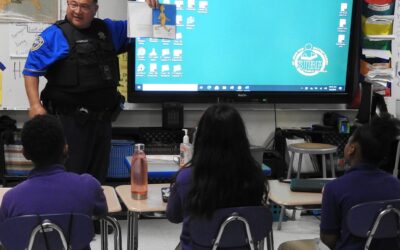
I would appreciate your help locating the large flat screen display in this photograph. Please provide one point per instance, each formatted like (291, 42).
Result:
(270, 51)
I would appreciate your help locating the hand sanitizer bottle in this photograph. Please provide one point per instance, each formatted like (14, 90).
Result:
(185, 150)
(139, 173)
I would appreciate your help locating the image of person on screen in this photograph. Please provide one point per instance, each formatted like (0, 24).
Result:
(367, 148)
(222, 172)
(163, 18)
(49, 189)
(78, 57)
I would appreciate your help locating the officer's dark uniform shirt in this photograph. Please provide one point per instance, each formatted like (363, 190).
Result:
(52, 46)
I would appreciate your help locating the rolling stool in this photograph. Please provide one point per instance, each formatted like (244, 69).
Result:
(311, 149)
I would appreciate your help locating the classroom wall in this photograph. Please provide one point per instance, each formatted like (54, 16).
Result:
(259, 118)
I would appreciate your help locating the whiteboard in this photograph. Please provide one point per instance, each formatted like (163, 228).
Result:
(18, 38)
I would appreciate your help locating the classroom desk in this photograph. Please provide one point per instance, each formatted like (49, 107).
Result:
(113, 207)
(153, 203)
(3, 190)
(167, 171)
(280, 193)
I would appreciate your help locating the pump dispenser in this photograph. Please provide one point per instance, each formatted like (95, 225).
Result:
(139, 178)
(185, 150)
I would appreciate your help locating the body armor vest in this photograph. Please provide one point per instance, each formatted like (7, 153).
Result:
(92, 62)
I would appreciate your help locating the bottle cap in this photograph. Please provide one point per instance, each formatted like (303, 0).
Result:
(139, 146)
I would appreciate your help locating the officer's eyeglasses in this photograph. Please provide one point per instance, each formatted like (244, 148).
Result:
(83, 7)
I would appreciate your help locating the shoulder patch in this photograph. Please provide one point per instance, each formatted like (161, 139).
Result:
(37, 43)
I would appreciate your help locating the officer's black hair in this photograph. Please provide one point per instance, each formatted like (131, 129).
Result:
(43, 140)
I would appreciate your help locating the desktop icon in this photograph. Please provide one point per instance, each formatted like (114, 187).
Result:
(166, 2)
(177, 68)
(141, 68)
(342, 23)
(165, 68)
(191, 4)
(179, 4)
(179, 20)
(153, 53)
(153, 68)
(141, 52)
(341, 39)
(190, 21)
(343, 7)
(165, 52)
(203, 6)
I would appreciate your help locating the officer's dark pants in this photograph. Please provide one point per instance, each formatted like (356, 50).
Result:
(89, 145)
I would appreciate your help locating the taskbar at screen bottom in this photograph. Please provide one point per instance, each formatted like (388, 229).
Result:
(184, 87)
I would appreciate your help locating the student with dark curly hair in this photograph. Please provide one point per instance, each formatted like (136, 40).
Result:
(222, 172)
(366, 149)
(49, 188)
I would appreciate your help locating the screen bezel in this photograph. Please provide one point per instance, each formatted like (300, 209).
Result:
(352, 81)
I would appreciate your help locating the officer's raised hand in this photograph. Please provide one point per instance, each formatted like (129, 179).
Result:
(153, 3)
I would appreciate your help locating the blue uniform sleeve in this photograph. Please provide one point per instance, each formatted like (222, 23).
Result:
(50, 46)
(331, 213)
(119, 34)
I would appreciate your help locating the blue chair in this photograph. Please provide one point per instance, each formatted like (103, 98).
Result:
(47, 231)
(379, 220)
(233, 228)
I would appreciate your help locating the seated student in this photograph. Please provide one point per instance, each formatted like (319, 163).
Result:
(49, 188)
(362, 182)
(222, 172)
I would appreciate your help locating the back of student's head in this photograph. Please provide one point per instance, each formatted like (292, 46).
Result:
(224, 169)
(376, 138)
(43, 140)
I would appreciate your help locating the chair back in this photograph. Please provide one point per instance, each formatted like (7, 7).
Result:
(375, 220)
(47, 231)
(233, 228)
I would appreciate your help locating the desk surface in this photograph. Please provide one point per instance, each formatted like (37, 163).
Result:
(280, 193)
(153, 203)
(109, 192)
(3, 190)
(112, 199)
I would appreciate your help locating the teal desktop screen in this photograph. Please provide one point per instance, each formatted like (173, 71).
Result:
(289, 45)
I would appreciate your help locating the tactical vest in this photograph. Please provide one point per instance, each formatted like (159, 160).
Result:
(92, 62)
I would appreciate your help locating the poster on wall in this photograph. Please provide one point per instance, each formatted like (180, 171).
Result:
(22, 36)
(45, 11)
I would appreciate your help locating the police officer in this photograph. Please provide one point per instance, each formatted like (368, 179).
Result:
(78, 57)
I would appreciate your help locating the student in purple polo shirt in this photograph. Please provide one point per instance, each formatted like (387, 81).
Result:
(222, 172)
(49, 188)
(365, 151)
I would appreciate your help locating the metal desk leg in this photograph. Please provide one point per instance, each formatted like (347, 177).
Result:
(281, 217)
(290, 166)
(117, 232)
(323, 166)
(299, 165)
(133, 220)
(333, 167)
(130, 229)
(103, 234)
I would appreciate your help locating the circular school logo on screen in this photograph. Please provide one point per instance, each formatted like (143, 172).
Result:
(310, 60)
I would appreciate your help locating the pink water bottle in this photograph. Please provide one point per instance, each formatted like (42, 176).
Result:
(139, 177)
